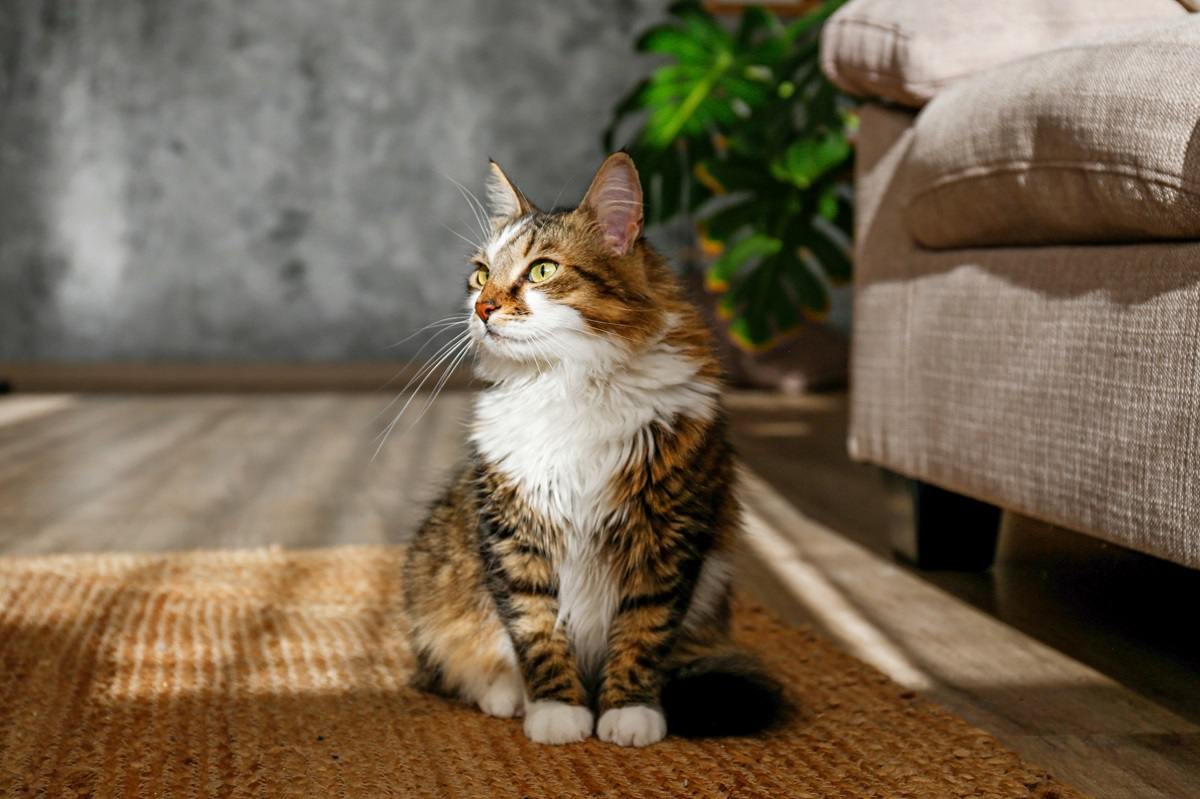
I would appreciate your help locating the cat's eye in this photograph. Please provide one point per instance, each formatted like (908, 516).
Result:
(479, 277)
(542, 271)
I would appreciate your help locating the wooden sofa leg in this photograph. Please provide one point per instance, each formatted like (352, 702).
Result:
(949, 531)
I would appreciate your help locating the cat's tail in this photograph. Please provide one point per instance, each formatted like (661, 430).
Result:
(722, 691)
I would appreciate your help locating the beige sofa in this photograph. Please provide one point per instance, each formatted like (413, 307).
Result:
(1027, 286)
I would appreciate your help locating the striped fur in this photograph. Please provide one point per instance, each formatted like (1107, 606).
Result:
(581, 559)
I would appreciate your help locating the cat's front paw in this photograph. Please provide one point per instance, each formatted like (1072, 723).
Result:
(557, 722)
(505, 697)
(635, 725)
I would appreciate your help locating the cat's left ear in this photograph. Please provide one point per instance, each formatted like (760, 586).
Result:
(505, 200)
(615, 199)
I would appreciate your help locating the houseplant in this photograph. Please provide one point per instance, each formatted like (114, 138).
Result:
(739, 129)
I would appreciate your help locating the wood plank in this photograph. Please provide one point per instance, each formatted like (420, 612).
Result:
(20, 409)
(1040, 702)
(180, 472)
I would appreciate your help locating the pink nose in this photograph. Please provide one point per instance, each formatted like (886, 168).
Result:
(484, 309)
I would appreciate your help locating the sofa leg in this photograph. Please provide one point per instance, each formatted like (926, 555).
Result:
(949, 531)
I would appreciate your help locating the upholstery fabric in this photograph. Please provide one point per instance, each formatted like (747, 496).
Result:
(908, 51)
(1093, 143)
(1060, 382)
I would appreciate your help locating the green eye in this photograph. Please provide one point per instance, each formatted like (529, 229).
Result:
(479, 277)
(541, 271)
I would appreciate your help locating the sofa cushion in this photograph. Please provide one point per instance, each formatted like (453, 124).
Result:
(907, 51)
(1096, 143)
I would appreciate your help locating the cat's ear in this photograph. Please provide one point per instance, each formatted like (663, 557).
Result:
(505, 200)
(615, 199)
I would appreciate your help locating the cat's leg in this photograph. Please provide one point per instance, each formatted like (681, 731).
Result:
(505, 695)
(461, 646)
(464, 651)
(521, 579)
(670, 593)
(642, 633)
(679, 522)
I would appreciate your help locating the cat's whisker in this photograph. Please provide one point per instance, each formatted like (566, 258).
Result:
(387, 431)
(415, 356)
(477, 207)
(474, 244)
(607, 333)
(446, 352)
(445, 322)
(614, 324)
(555, 347)
(424, 366)
(472, 200)
(558, 196)
(437, 389)
(537, 344)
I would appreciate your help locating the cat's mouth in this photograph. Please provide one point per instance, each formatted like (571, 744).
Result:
(507, 345)
(495, 335)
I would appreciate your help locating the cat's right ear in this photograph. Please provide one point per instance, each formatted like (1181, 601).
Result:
(505, 200)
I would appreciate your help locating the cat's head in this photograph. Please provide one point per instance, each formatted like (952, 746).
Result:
(562, 286)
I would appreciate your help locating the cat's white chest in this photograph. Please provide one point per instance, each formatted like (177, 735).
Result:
(562, 454)
(562, 444)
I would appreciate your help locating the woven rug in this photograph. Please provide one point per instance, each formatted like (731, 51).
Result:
(277, 673)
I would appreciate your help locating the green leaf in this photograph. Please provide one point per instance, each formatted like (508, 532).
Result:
(827, 206)
(808, 159)
(673, 42)
(809, 291)
(724, 224)
(668, 121)
(738, 174)
(703, 28)
(751, 92)
(722, 270)
(751, 331)
(832, 259)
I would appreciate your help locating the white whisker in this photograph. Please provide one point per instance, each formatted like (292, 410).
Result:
(448, 321)
(447, 351)
(437, 389)
(477, 208)
(474, 244)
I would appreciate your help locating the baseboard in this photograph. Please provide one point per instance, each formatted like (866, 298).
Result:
(215, 377)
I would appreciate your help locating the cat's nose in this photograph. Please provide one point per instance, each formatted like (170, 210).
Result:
(484, 309)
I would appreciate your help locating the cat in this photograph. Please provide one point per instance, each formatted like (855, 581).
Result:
(580, 562)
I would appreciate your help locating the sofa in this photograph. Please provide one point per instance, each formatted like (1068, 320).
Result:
(1026, 325)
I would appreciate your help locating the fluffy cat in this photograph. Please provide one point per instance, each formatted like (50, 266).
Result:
(579, 563)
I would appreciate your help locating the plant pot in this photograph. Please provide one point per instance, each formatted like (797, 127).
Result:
(813, 358)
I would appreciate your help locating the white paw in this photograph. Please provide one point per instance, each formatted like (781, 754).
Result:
(505, 697)
(636, 725)
(557, 722)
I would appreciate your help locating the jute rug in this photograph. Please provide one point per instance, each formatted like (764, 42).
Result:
(283, 674)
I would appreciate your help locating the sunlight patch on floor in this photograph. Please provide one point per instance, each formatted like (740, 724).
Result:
(30, 406)
(829, 606)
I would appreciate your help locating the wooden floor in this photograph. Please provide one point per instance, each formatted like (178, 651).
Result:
(1081, 657)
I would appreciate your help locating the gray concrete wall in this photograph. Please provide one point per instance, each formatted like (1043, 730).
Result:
(268, 179)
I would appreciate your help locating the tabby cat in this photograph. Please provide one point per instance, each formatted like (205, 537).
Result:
(579, 563)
